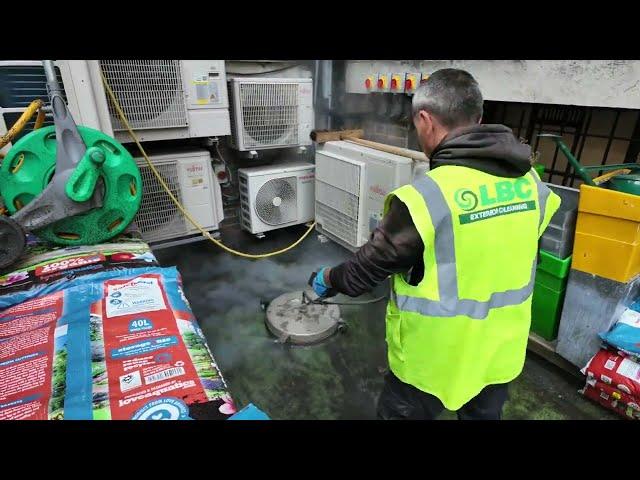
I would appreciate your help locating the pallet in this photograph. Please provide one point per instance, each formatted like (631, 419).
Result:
(547, 350)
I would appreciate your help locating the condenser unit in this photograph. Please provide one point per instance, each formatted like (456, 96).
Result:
(161, 99)
(276, 196)
(352, 182)
(189, 175)
(21, 82)
(270, 112)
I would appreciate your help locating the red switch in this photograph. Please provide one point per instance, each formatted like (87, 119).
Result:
(394, 83)
(380, 83)
(367, 83)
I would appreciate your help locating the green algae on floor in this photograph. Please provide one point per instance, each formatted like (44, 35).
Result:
(339, 378)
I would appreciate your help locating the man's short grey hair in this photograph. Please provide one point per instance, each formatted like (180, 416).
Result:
(452, 96)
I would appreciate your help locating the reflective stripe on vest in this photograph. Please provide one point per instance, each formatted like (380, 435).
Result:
(450, 305)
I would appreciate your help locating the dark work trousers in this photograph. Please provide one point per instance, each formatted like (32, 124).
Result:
(401, 401)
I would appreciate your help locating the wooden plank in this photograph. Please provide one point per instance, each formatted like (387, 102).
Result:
(403, 152)
(355, 136)
(321, 136)
(546, 350)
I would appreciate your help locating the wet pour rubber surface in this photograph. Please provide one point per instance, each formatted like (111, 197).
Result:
(339, 378)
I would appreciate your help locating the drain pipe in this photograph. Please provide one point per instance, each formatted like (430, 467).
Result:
(327, 88)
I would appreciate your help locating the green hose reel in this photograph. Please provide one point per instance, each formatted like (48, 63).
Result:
(106, 165)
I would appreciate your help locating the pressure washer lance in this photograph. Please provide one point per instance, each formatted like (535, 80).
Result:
(331, 292)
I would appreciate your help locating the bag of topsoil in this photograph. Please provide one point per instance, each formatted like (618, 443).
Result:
(44, 265)
(625, 334)
(109, 348)
(614, 369)
(614, 393)
(610, 403)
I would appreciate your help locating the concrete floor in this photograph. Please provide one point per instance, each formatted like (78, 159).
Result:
(340, 378)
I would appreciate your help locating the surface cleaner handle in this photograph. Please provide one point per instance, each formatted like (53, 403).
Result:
(70, 147)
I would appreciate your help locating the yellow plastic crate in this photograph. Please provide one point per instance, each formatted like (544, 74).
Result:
(607, 241)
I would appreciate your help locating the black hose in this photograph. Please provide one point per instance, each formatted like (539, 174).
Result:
(363, 302)
(319, 301)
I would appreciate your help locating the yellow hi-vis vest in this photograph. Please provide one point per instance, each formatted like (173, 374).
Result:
(466, 324)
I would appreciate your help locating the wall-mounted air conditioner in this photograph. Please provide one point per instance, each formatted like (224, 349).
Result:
(190, 178)
(162, 99)
(352, 182)
(276, 196)
(270, 112)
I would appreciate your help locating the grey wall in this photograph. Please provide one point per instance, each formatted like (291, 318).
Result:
(603, 83)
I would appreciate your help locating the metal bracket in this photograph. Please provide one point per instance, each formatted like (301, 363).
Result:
(53, 204)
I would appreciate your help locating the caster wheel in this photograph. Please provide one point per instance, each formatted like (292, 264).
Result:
(12, 241)
(264, 304)
(343, 328)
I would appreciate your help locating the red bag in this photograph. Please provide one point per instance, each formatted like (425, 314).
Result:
(610, 403)
(614, 393)
(616, 370)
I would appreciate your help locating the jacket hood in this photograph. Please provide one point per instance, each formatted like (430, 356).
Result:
(493, 149)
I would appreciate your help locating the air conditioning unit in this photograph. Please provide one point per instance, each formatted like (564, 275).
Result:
(352, 182)
(189, 175)
(276, 196)
(162, 99)
(21, 82)
(270, 112)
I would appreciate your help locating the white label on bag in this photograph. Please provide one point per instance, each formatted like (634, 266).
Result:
(630, 369)
(141, 294)
(610, 364)
(631, 318)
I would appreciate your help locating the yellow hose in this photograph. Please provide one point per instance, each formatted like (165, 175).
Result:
(39, 119)
(17, 127)
(23, 120)
(180, 207)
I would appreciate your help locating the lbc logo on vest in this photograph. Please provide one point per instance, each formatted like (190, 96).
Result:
(495, 194)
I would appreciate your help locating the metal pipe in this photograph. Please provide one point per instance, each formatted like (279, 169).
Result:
(555, 154)
(584, 175)
(634, 145)
(521, 123)
(610, 141)
(45, 108)
(52, 79)
(585, 132)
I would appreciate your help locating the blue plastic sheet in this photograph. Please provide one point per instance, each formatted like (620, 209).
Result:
(250, 412)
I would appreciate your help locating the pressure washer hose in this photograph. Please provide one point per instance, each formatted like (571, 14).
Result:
(35, 106)
(180, 207)
(321, 301)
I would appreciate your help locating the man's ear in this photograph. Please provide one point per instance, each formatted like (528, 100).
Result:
(426, 118)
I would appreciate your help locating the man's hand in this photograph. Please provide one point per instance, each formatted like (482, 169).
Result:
(319, 281)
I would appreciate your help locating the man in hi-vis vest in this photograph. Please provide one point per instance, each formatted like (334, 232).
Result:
(460, 244)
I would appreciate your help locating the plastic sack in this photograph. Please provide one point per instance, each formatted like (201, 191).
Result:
(109, 348)
(614, 393)
(610, 403)
(44, 264)
(625, 334)
(615, 369)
